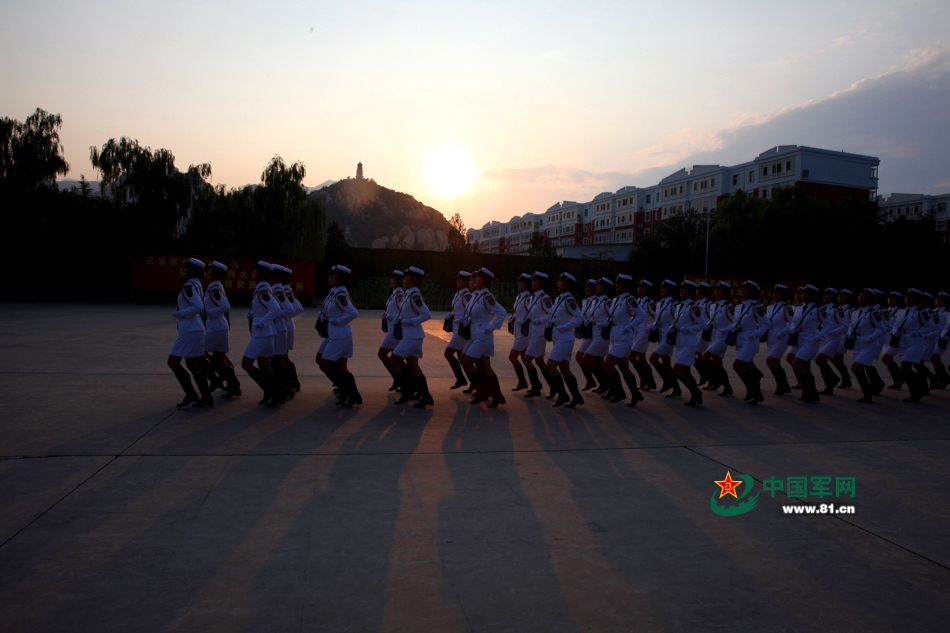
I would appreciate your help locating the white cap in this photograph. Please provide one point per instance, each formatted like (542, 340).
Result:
(567, 276)
(264, 264)
(463, 273)
(415, 271)
(670, 282)
(646, 282)
(780, 287)
(623, 277)
(397, 273)
(810, 287)
(703, 284)
(485, 271)
(540, 275)
(342, 269)
(687, 282)
(605, 281)
(749, 282)
(217, 264)
(196, 262)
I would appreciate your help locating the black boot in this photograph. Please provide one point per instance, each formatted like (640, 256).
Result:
(257, 375)
(831, 380)
(781, 382)
(866, 388)
(635, 395)
(407, 383)
(494, 392)
(293, 374)
(184, 379)
(589, 377)
(481, 388)
(651, 381)
(915, 382)
(576, 398)
(557, 385)
(207, 400)
(724, 381)
(423, 388)
(845, 375)
(694, 391)
(756, 372)
(353, 396)
(536, 385)
(877, 383)
(809, 390)
(393, 387)
(617, 394)
(472, 379)
(522, 384)
(459, 374)
(667, 377)
(675, 392)
(548, 379)
(746, 380)
(233, 388)
(272, 392)
(214, 381)
(942, 374)
(929, 379)
(896, 375)
(755, 384)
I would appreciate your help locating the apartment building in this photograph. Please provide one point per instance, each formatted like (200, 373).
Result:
(917, 206)
(627, 215)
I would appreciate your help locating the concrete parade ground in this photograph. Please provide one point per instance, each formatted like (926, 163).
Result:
(119, 512)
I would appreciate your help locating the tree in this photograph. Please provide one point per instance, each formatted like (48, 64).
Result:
(337, 250)
(542, 254)
(31, 155)
(457, 242)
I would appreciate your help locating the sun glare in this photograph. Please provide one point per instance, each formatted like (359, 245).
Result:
(449, 171)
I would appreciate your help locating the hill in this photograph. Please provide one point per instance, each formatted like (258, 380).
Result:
(376, 217)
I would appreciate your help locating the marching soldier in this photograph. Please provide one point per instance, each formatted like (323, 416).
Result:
(893, 314)
(779, 315)
(833, 328)
(660, 358)
(190, 343)
(623, 320)
(284, 278)
(685, 333)
(702, 300)
(453, 351)
(393, 305)
(539, 310)
(749, 326)
(941, 319)
(217, 329)
(721, 315)
(582, 332)
(565, 316)
(805, 336)
(281, 370)
(597, 314)
(908, 332)
(865, 332)
(845, 300)
(337, 346)
(641, 336)
(793, 349)
(518, 314)
(483, 316)
(407, 328)
(264, 309)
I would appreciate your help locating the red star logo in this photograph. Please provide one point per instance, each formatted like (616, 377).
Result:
(728, 486)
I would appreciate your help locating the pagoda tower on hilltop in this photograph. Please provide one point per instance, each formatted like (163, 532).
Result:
(359, 171)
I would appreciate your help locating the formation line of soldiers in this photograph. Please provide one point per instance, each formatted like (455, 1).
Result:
(691, 326)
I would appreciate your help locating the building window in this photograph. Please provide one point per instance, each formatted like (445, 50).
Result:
(941, 225)
(751, 176)
(735, 180)
(712, 182)
(648, 198)
(874, 171)
(765, 193)
(646, 216)
(788, 165)
(804, 173)
(646, 231)
(765, 171)
(681, 188)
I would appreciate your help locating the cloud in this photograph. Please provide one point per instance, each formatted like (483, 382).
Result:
(561, 178)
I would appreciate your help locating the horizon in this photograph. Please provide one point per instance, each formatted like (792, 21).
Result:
(525, 105)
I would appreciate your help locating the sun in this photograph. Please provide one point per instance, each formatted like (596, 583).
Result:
(449, 171)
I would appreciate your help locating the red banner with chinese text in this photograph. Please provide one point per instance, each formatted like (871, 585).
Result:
(168, 272)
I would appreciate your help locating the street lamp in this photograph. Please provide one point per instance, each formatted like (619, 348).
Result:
(707, 213)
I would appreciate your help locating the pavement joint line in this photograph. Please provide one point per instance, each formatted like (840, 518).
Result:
(80, 485)
(841, 518)
(472, 452)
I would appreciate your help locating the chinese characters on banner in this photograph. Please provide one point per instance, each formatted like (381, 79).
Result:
(168, 272)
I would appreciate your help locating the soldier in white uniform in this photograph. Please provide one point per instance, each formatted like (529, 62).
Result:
(805, 335)
(846, 307)
(685, 332)
(721, 316)
(190, 343)
(793, 349)
(264, 309)
(407, 328)
(483, 316)
(595, 317)
(518, 312)
(941, 318)
(565, 316)
(539, 310)
(281, 370)
(880, 308)
(453, 351)
(337, 346)
(285, 275)
(779, 315)
(217, 330)
(582, 335)
(865, 332)
(833, 328)
(641, 337)
(929, 336)
(909, 331)
(748, 328)
(892, 314)
(703, 290)
(623, 319)
(661, 356)
(393, 305)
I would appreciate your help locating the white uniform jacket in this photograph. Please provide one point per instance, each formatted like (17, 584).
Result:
(665, 315)
(217, 308)
(539, 311)
(867, 327)
(626, 315)
(565, 316)
(190, 307)
(339, 310)
(264, 309)
(413, 312)
(484, 314)
(750, 322)
(393, 306)
(689, 322)
(297, 307)
(779, 316)
(459, 303)
(807, 323)
(519, 311)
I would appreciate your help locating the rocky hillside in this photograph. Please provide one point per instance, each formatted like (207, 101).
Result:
(377, 217)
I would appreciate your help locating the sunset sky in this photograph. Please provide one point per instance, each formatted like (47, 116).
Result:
(489, 109)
